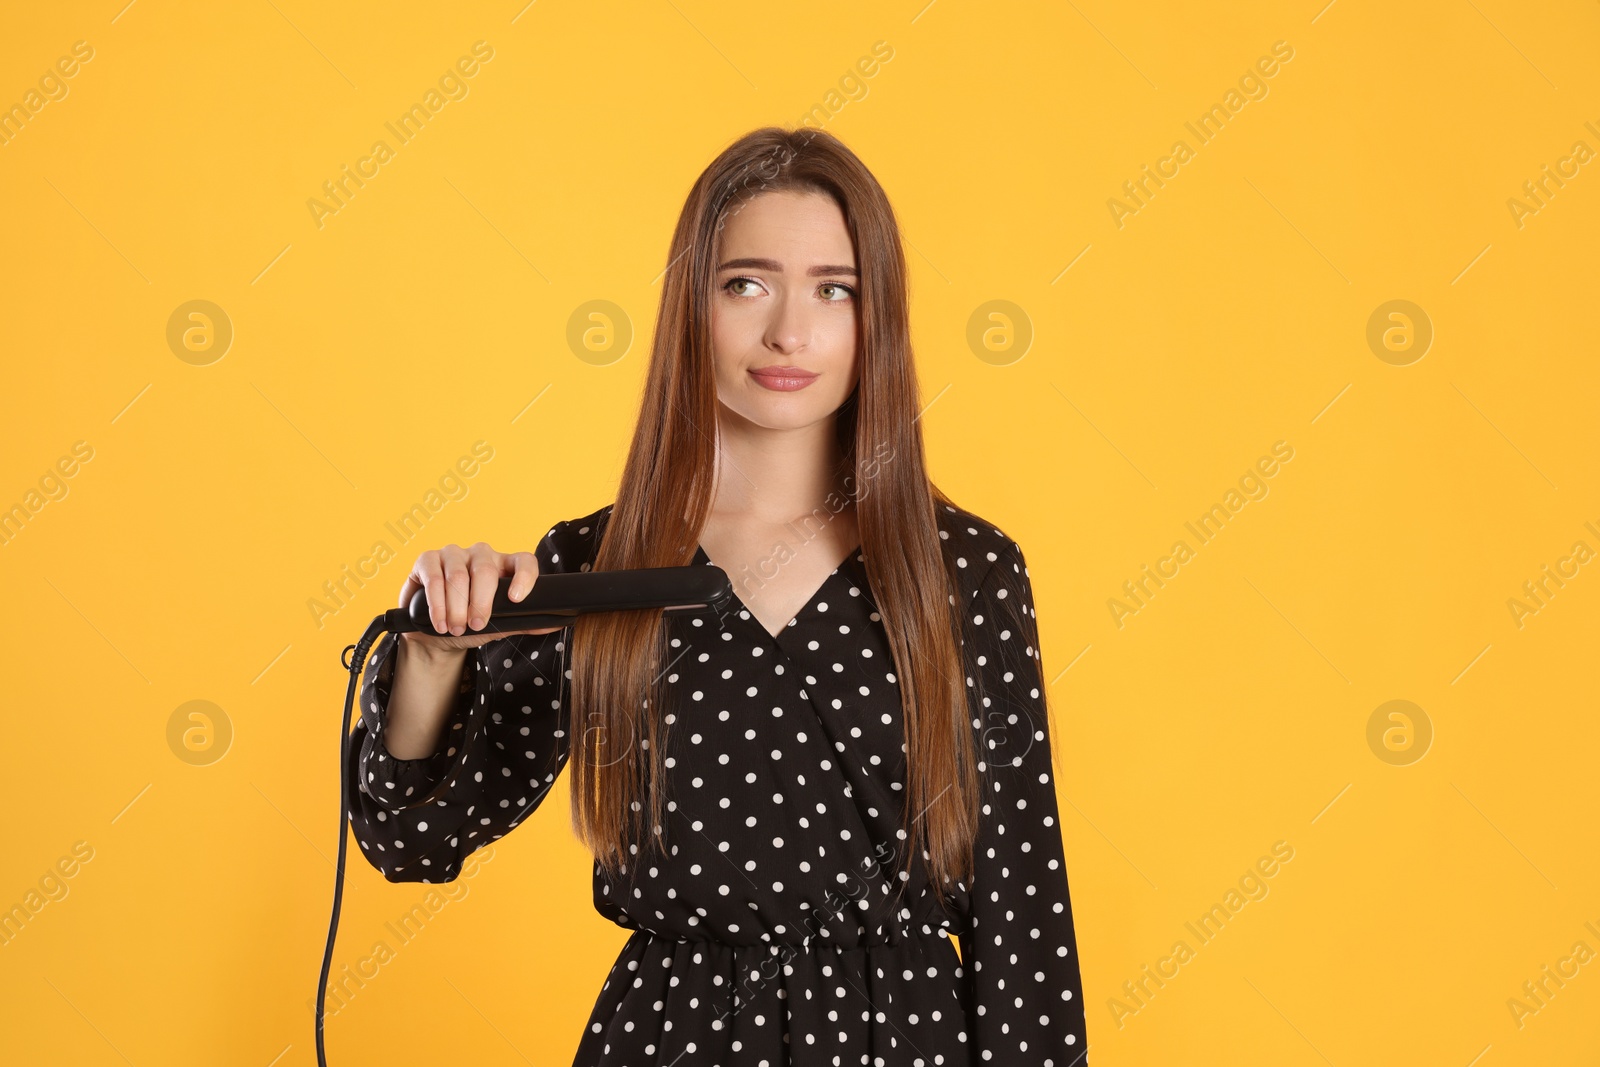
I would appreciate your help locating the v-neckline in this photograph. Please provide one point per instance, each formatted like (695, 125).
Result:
(702, 557)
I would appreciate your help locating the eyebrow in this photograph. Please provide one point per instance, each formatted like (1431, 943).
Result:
(773, 265)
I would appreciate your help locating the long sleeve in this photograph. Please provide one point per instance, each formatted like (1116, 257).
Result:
(503, 748)
(1019, 953)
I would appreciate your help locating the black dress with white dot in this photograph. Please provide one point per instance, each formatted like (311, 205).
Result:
(777, 929)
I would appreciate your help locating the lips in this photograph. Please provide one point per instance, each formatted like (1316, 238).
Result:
(783, 378)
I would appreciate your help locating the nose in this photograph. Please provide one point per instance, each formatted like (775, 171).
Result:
(789, 329)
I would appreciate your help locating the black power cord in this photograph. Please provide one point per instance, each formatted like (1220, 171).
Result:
(355, 664)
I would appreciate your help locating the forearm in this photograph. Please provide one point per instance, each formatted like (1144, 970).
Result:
(421, 698)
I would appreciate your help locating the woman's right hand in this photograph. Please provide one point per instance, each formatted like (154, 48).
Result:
(460, 584)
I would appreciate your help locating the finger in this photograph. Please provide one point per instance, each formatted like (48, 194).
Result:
(458, 584)
(427, 574)
(484, 563)
(524, 568)
(418, 576)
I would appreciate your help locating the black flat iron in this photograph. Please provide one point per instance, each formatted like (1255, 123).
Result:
(555, 600)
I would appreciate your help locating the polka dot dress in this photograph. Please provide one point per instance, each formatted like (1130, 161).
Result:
(779, 928)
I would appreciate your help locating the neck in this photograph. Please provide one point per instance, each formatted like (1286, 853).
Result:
(776, 476)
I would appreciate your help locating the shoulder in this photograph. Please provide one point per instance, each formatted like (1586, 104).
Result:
(572, 544)
(974, 545)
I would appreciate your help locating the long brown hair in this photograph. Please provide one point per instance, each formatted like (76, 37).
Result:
(667, 489)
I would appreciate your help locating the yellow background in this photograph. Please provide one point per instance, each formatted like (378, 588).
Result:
(1230, 312)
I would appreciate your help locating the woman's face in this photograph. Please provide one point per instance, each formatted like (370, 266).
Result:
(785, 304)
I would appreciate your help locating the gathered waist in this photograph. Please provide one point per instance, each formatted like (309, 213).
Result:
(674, 997)
(916, 939)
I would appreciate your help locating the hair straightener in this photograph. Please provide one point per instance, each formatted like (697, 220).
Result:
(555, 600)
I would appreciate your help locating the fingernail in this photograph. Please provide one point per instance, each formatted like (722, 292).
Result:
(477, 623)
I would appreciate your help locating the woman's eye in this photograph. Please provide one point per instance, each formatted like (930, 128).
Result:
(832, 292)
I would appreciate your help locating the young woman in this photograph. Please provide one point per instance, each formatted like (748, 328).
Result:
(791, 806)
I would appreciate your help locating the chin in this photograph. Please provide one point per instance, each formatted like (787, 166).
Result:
(773, 411)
